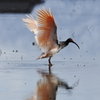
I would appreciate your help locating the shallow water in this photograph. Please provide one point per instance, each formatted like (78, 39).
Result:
(18, 79)
(19, 71)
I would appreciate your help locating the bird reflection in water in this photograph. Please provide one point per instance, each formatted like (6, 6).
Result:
(47, 87)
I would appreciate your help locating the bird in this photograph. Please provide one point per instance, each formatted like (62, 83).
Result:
(45, 29)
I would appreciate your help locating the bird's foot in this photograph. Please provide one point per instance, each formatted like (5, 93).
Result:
(50, 64)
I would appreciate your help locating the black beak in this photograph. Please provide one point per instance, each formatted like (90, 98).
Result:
(76, 44)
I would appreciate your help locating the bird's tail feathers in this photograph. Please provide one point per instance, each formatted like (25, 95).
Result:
(43, 55)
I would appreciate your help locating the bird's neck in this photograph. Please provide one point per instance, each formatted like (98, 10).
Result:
(63, 44)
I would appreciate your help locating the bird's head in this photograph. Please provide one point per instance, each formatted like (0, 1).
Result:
(69, 40)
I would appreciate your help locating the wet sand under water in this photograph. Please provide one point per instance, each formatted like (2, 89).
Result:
(18, 79)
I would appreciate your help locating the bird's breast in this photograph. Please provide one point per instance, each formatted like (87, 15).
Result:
(55, 50)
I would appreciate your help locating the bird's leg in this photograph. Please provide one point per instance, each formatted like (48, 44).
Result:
(50, 64)
(49, 60)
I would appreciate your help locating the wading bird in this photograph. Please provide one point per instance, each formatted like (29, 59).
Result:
(45, 30)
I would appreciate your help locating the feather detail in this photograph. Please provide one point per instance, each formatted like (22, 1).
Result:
(31, 23)
(44, 28)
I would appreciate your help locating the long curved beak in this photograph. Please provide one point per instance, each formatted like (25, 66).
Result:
(76, 44)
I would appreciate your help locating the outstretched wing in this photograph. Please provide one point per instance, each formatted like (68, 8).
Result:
(46, 36)
(31, 23)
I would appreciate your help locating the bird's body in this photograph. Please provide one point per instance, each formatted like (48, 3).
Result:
(46, 33)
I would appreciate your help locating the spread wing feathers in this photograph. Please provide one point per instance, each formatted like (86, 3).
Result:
(44, 28)
(46, 37)
(31, 23)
